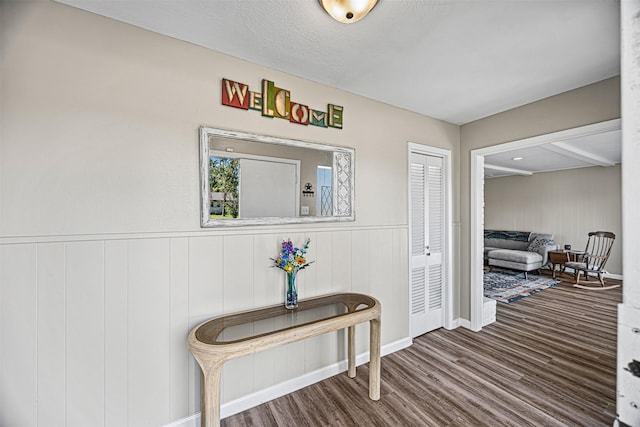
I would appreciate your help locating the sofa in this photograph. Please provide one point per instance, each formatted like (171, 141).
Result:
(517, 250)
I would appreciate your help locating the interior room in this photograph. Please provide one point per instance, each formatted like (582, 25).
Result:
(545, 197)
(156, 159)
(589, 165)
(531, 187)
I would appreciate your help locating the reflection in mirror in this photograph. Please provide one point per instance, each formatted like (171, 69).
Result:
(249, 186)
(254, 179)
(223, 186)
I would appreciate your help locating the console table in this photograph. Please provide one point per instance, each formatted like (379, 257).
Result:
(225, 337)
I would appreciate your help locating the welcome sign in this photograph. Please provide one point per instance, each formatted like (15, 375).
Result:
(273, 101)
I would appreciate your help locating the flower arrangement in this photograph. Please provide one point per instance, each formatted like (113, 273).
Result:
(292, 260)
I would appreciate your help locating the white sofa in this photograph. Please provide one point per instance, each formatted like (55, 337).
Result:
(517, 250)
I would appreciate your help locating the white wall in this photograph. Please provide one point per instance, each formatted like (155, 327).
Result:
(568, 204)
(103, 265)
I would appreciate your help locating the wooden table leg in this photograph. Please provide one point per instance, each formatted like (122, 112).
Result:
(210, 397)
(374, 359)
(351, 351)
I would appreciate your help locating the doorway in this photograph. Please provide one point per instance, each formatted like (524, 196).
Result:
(430, 254)
(477, 202)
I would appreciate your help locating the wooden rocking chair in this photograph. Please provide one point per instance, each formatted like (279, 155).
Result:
(593, 260)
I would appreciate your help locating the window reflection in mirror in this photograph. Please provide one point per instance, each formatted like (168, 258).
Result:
(223, 186)
(324, 197)
(254, 179)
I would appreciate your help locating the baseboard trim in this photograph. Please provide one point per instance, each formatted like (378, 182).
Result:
(254, 399)
(192, 421)
(461, 323)
(488, 316)
(610, 275)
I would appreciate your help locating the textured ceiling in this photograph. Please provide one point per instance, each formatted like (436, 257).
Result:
(455, 60)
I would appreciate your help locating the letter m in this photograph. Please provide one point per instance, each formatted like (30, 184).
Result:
(234, 94)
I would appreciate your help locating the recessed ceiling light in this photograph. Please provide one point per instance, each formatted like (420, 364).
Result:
(517, 158)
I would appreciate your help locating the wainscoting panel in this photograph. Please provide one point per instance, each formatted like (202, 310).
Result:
(341, 261)
(94, 329)
(237, 267)
(116, 348)
(179, 300)
(149, 331)
(19, 384)
(205, 297)
(85, 326)
(268, 289)
(51, 332)
(363, 264)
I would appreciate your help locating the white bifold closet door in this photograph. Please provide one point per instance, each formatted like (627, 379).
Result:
(427, 240)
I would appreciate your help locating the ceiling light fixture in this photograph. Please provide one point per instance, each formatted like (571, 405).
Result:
(517, 158)
(348, 11)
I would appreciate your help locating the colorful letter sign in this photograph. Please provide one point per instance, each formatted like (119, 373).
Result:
(235, 94)
(275, 102)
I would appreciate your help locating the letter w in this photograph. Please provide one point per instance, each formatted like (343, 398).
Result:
(234, 94)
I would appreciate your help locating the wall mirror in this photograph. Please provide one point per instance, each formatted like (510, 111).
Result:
(249, 179)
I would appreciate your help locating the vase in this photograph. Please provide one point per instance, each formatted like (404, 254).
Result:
(291, 292)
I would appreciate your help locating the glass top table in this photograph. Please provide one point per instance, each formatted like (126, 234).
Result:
(225, 337)
(256, 323)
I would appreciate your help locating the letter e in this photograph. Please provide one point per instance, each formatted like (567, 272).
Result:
(335, 116)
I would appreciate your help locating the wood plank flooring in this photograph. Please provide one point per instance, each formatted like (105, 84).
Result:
(548, 360)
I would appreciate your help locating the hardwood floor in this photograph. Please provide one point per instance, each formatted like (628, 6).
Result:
(548, 360)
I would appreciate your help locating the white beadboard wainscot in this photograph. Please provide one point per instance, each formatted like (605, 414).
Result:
(94, 328)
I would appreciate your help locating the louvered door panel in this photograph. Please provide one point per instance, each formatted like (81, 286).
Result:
(436, 210)
(418, 238)
(435, 287)
(436, 235)
(417, 209)
(418, 292)
(427, 242)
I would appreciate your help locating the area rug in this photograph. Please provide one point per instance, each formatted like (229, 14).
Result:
(509, 286)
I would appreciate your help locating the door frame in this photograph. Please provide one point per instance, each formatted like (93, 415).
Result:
(447, 253)
(476, 190)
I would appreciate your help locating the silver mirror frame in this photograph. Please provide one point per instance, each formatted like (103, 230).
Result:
(343, 178)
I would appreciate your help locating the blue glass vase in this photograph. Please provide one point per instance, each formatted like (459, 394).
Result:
(291, 292)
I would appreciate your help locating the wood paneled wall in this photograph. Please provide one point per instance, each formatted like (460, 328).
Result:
(94, 329)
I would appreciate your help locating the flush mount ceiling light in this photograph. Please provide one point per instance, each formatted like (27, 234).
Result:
(348, 11)
(517, 158)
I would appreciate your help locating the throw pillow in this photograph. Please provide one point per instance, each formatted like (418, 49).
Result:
(538, 244)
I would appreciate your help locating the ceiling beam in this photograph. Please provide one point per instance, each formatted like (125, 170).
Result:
(510, 170)
(578, 154)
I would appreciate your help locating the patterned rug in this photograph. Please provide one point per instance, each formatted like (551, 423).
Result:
(509, 286)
